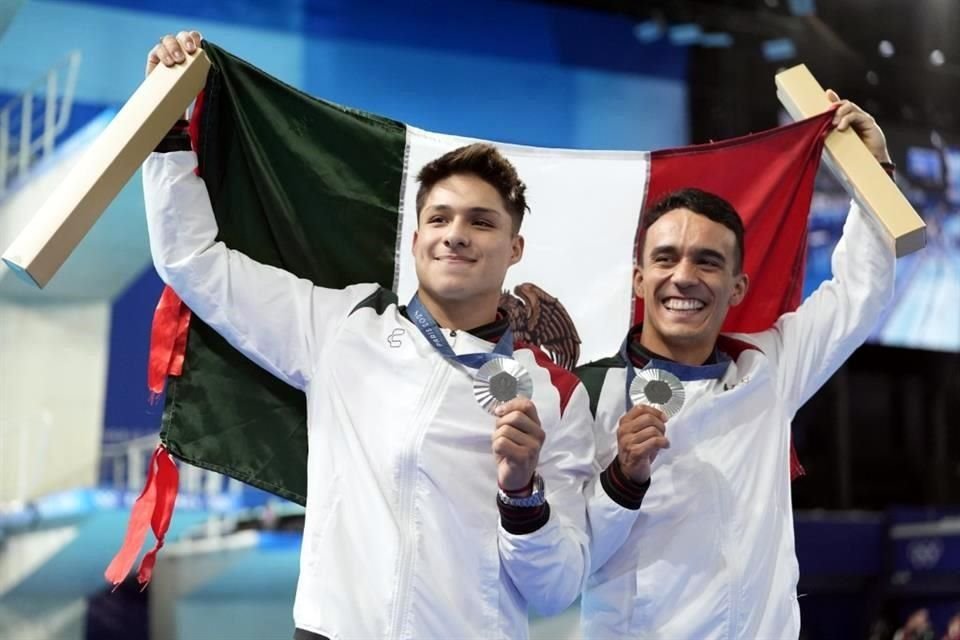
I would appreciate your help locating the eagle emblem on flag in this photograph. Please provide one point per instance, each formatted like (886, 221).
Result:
(540, 319)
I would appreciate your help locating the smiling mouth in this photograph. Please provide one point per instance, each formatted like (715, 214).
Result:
(684, 305)
(455, 259)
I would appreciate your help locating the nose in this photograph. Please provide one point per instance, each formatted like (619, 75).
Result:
(684, 274)
(456, 234)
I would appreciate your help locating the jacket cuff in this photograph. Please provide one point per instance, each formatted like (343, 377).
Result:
(523, 520)
(177, 139)
(621, 489)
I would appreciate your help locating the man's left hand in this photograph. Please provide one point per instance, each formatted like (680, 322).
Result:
(849, 115)
(516, 443)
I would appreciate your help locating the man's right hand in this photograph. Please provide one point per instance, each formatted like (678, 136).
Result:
(640, 435)
(173, 50)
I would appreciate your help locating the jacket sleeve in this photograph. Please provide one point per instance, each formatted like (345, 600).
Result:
(549, 566)
(809, 344)
(279, 321)
(610, 514)
(611, 518)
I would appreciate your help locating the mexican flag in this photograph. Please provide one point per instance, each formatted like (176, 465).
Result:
(328, 193)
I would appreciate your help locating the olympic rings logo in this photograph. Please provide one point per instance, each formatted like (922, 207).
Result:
(925, 554)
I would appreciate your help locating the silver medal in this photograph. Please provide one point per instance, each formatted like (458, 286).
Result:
(499, 381)
(659, 389)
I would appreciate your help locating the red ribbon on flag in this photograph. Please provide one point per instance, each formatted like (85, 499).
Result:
(168, 340)
(154, 509)
(168, 346)
(171, 319)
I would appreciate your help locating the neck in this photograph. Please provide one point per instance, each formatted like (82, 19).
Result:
(461, 315)
(692, 354)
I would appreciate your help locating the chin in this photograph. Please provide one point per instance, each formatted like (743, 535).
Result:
(449, 291)
(685, 333)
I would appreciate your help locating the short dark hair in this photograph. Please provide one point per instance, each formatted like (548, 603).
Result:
(484, 161)
(703, 203)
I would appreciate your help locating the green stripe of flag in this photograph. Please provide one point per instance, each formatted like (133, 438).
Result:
(336, 224)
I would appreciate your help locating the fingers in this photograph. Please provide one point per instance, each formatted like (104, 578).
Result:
(641, 433)
(170, 51)
(174, 49)
(644, 450)
(643, 438)
(640, 417)
(517, 439)
(521, 413)
(190, 40)
(517, 454)
(642, 409)
(524, 405)
(849, 114)
(511, 439)
(832, 96)
(521, 423)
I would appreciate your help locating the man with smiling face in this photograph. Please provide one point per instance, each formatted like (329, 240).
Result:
(426, 516)
(690, 517)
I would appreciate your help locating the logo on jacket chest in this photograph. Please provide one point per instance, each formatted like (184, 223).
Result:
(727, 386)
(395, 339)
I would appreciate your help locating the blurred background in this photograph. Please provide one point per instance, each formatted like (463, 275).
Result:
(878, 513)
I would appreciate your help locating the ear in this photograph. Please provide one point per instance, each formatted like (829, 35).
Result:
(638, 281)
(740, 288)
(416, 236)
(517, 249)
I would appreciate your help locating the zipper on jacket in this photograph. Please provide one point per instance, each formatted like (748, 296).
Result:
(407, 483)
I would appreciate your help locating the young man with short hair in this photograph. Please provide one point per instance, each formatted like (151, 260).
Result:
(406, 533)
(691, 518)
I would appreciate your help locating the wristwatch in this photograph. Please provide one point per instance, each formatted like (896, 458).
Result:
(535, 499)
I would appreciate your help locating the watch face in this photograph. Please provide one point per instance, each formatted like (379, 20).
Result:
(659, 389)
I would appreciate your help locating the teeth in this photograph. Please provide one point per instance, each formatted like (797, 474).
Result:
(683, 304)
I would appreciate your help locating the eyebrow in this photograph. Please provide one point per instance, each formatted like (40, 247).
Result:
(710, 253)
(445, 208)
(699, 252)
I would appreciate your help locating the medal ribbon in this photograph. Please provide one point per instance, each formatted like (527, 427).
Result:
(431, 331)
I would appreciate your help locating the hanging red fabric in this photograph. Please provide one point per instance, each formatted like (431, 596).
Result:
(171, 319)
(153, 507)
(168, 340)
(167, 484)
(796, 469)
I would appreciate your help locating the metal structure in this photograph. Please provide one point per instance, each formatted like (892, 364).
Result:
(31, 122)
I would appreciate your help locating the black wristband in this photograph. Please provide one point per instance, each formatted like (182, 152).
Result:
(621, 489)
(523, 520)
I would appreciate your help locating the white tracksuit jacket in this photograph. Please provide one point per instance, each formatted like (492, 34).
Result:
(402, 536)
(710, 553)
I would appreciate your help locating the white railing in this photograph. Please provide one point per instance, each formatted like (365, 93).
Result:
(31, 122)
(123, 465)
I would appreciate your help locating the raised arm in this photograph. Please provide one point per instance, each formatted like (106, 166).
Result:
(811, 343)
(279, 321)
